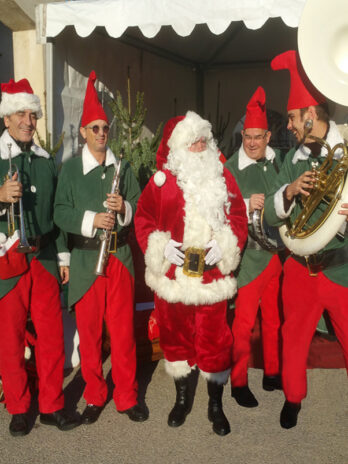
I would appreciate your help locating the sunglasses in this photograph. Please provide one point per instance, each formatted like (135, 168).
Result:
(96, 129)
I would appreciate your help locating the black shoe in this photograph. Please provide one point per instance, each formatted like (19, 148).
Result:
(244, 397)
(137, 413)
(272, 382)
(216, 415)
(91, 414)
(181, 409)
(288, 416)
(19, 425)
(60, 419)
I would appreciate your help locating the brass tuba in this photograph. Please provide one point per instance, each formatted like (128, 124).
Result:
(323, 49)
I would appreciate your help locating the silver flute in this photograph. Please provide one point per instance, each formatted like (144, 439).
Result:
(106, 235)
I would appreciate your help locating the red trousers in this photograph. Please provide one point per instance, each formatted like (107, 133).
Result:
(262, 292)
(109, 298)
(196, 334)
(305, 299)
(37, 291)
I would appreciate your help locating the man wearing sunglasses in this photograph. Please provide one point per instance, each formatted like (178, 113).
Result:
(254, 167)
(82, 208)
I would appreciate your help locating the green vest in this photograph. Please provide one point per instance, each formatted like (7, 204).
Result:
(254, 178)
(78, 193)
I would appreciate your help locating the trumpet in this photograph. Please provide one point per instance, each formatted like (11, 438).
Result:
(23, 246)
(106, 235)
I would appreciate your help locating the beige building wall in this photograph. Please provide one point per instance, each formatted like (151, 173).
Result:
(29, 63)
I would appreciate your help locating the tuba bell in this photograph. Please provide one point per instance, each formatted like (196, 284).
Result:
(323, 49)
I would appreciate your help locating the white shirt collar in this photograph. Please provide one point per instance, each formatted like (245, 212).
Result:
(89, 162)
(244, 161)
(333, 137)
(6, 139)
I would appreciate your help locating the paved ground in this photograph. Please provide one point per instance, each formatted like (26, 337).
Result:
(321, 436)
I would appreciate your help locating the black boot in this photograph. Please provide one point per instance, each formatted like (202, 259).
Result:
(215, 412)
(289, 413)
(181, 407)
(272, 382)
(244, 396)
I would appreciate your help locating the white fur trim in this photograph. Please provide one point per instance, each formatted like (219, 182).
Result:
(190, 290)
(3, 238)
(13, 102)
(8, 243)
(6, 139)
(220, 378)
(160, 178)
(244, 160)
(63, 258)
(155, 261)
(177, 369)
(228, 244)
(279, 203)
(188, 131)
(89, 162)
(87, 229)
(126, 219)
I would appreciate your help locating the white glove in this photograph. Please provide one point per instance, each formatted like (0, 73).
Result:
(214, 255)
(173, 254)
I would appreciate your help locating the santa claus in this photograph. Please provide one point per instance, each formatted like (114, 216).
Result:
(191, 224)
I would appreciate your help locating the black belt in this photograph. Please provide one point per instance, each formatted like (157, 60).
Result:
(85, 243)
(41, 241)
(321, 261)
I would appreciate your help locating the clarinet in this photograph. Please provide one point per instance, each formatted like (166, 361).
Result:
(106, 235)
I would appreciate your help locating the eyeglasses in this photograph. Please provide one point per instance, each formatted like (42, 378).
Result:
(96, 129)
(257, 138)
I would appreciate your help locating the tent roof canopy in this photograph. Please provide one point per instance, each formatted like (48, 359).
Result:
(150, 15)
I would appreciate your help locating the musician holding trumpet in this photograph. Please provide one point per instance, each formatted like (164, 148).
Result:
(316, 273)
(95, 202)
(28, 264)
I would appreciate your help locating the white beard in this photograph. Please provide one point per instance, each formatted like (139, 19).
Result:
(199, 175)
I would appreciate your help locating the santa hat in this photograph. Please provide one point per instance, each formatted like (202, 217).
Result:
(302, 92)
(256, 111)
(92, 108)
(163, 149)
(18, 96)
(187, 131)
(12, 263)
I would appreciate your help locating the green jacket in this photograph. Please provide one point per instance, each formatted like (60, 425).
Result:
(253, 177)
(296, 163)
(38, 174)
(81, 192)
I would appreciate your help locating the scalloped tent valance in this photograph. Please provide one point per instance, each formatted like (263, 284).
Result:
(150, 15)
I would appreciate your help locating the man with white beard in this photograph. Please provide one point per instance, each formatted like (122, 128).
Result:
(191, 224)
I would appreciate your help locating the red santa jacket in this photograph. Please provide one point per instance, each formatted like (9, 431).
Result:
(162, 214)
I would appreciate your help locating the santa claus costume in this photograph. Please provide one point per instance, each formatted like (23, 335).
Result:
(191, 224)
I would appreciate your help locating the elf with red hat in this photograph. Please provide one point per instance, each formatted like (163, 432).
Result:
(29, 282)
(84, 208)
(254, 166)
(315, 282)
(191, 225)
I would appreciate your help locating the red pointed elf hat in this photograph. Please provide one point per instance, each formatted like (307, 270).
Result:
(302, 92)
(18, 96)
(163, 149)
(92, 108)
(256, 111)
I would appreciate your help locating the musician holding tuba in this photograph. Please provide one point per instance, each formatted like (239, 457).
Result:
(313, 281)
(91, 210)
(254, 167)
(29, 274)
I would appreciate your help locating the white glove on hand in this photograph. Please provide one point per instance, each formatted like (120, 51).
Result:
(173, 254)
(214, 255)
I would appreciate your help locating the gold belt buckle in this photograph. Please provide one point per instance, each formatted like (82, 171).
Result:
(311, 266)
(194, 262)
(113, 242)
